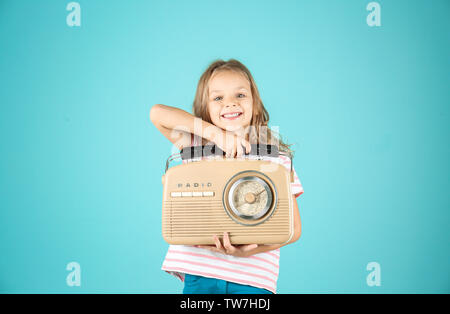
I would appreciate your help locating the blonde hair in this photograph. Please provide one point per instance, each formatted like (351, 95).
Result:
(260, 115)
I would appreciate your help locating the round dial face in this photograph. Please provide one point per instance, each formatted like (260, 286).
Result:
(250, 197)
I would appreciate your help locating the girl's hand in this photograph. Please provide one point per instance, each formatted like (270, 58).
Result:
(233, 145)
(227, 248)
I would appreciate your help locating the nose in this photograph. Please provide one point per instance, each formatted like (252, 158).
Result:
(232, 104)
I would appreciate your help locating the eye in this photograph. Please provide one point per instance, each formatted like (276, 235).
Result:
(240, 95)
(216, 99)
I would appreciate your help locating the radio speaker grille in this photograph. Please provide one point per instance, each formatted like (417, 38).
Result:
(198, 221)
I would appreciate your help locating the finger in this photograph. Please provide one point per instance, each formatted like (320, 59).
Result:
(217, 242)
(227, 244)
(209, 247)
(249, 247)
(229, 145)
(245, 145)
(230, 152)
(213, 247)
(248, 147)
(240, 149)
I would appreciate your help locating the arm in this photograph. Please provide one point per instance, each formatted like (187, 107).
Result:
(251, 249)
(177, 126)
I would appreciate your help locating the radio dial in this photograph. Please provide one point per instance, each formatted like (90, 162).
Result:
(250, 197)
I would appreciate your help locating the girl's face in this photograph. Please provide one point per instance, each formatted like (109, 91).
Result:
(230, 101)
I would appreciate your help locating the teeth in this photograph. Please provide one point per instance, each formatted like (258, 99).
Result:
(231, 115)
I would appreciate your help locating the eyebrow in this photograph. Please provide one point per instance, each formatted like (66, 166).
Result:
(237, 88)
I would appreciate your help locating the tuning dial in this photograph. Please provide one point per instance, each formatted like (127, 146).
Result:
(250, 197)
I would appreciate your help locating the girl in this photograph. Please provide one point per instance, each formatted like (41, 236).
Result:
(229, 113)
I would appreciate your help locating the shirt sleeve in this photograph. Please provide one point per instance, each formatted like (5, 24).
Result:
(296, 186)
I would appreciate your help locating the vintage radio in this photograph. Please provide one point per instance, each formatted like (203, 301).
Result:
(250, 198)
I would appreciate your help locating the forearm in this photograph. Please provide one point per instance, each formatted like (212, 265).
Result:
(179, 120)
(265, 248)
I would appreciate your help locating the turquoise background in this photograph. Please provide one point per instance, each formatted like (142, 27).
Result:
(366, 107)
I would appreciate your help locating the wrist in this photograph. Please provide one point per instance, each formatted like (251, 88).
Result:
(212, 133)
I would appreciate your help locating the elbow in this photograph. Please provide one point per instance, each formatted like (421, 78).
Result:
(154, 112)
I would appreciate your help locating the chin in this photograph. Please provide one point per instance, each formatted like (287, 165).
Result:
(232, 127)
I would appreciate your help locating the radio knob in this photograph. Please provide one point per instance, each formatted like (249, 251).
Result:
(250, 198)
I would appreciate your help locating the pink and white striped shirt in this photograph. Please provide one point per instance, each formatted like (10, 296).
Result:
(259, 270)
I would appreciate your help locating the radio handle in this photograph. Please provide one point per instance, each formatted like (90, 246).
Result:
(190, 152)
(213, 150)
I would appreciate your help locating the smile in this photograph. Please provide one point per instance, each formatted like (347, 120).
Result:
(231, 116)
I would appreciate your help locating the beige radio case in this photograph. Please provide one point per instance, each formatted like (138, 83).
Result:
(197, 203)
